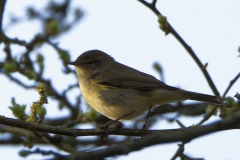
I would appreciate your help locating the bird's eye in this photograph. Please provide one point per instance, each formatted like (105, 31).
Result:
(90, 62)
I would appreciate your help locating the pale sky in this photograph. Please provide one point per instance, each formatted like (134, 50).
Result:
(129, 32)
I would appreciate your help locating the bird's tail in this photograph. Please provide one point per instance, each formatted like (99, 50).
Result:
(203, 97)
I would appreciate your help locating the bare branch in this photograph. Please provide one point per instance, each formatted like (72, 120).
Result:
(40, 151)
(158, 137)
(179, 151)
(31, 126)
(2, 5)
(20, 83)
(154, 2)
(170, 29)
(206, 117)
(19, 136)
(5, 39)
(230, 85)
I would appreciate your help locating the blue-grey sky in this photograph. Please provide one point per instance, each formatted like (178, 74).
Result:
(130, 33)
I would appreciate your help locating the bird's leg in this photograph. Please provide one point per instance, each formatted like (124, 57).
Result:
(119, 125)
(144, 127)
(116, 120)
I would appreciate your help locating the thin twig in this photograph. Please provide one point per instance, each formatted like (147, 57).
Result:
(5, 39)
(42, 152)
(206, 117)
(230, 85)
(186, 46)
(180, 124)
(20, 83)
(179, 152)
(2, 6)
(154, 2)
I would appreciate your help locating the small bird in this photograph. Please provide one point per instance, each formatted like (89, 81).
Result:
(121, 92)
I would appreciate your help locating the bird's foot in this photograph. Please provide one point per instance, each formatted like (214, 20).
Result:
(106, 128)
(119, 124)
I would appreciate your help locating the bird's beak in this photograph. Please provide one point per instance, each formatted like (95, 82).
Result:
(73, 63)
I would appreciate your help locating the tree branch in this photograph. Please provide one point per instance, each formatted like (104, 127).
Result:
(159, 138)
(170, 29)
(31, 126)
(153, 136)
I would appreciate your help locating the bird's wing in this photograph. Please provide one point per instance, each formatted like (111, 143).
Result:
(139, 81)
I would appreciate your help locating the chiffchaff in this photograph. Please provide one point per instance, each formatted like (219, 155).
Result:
(115, 90)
